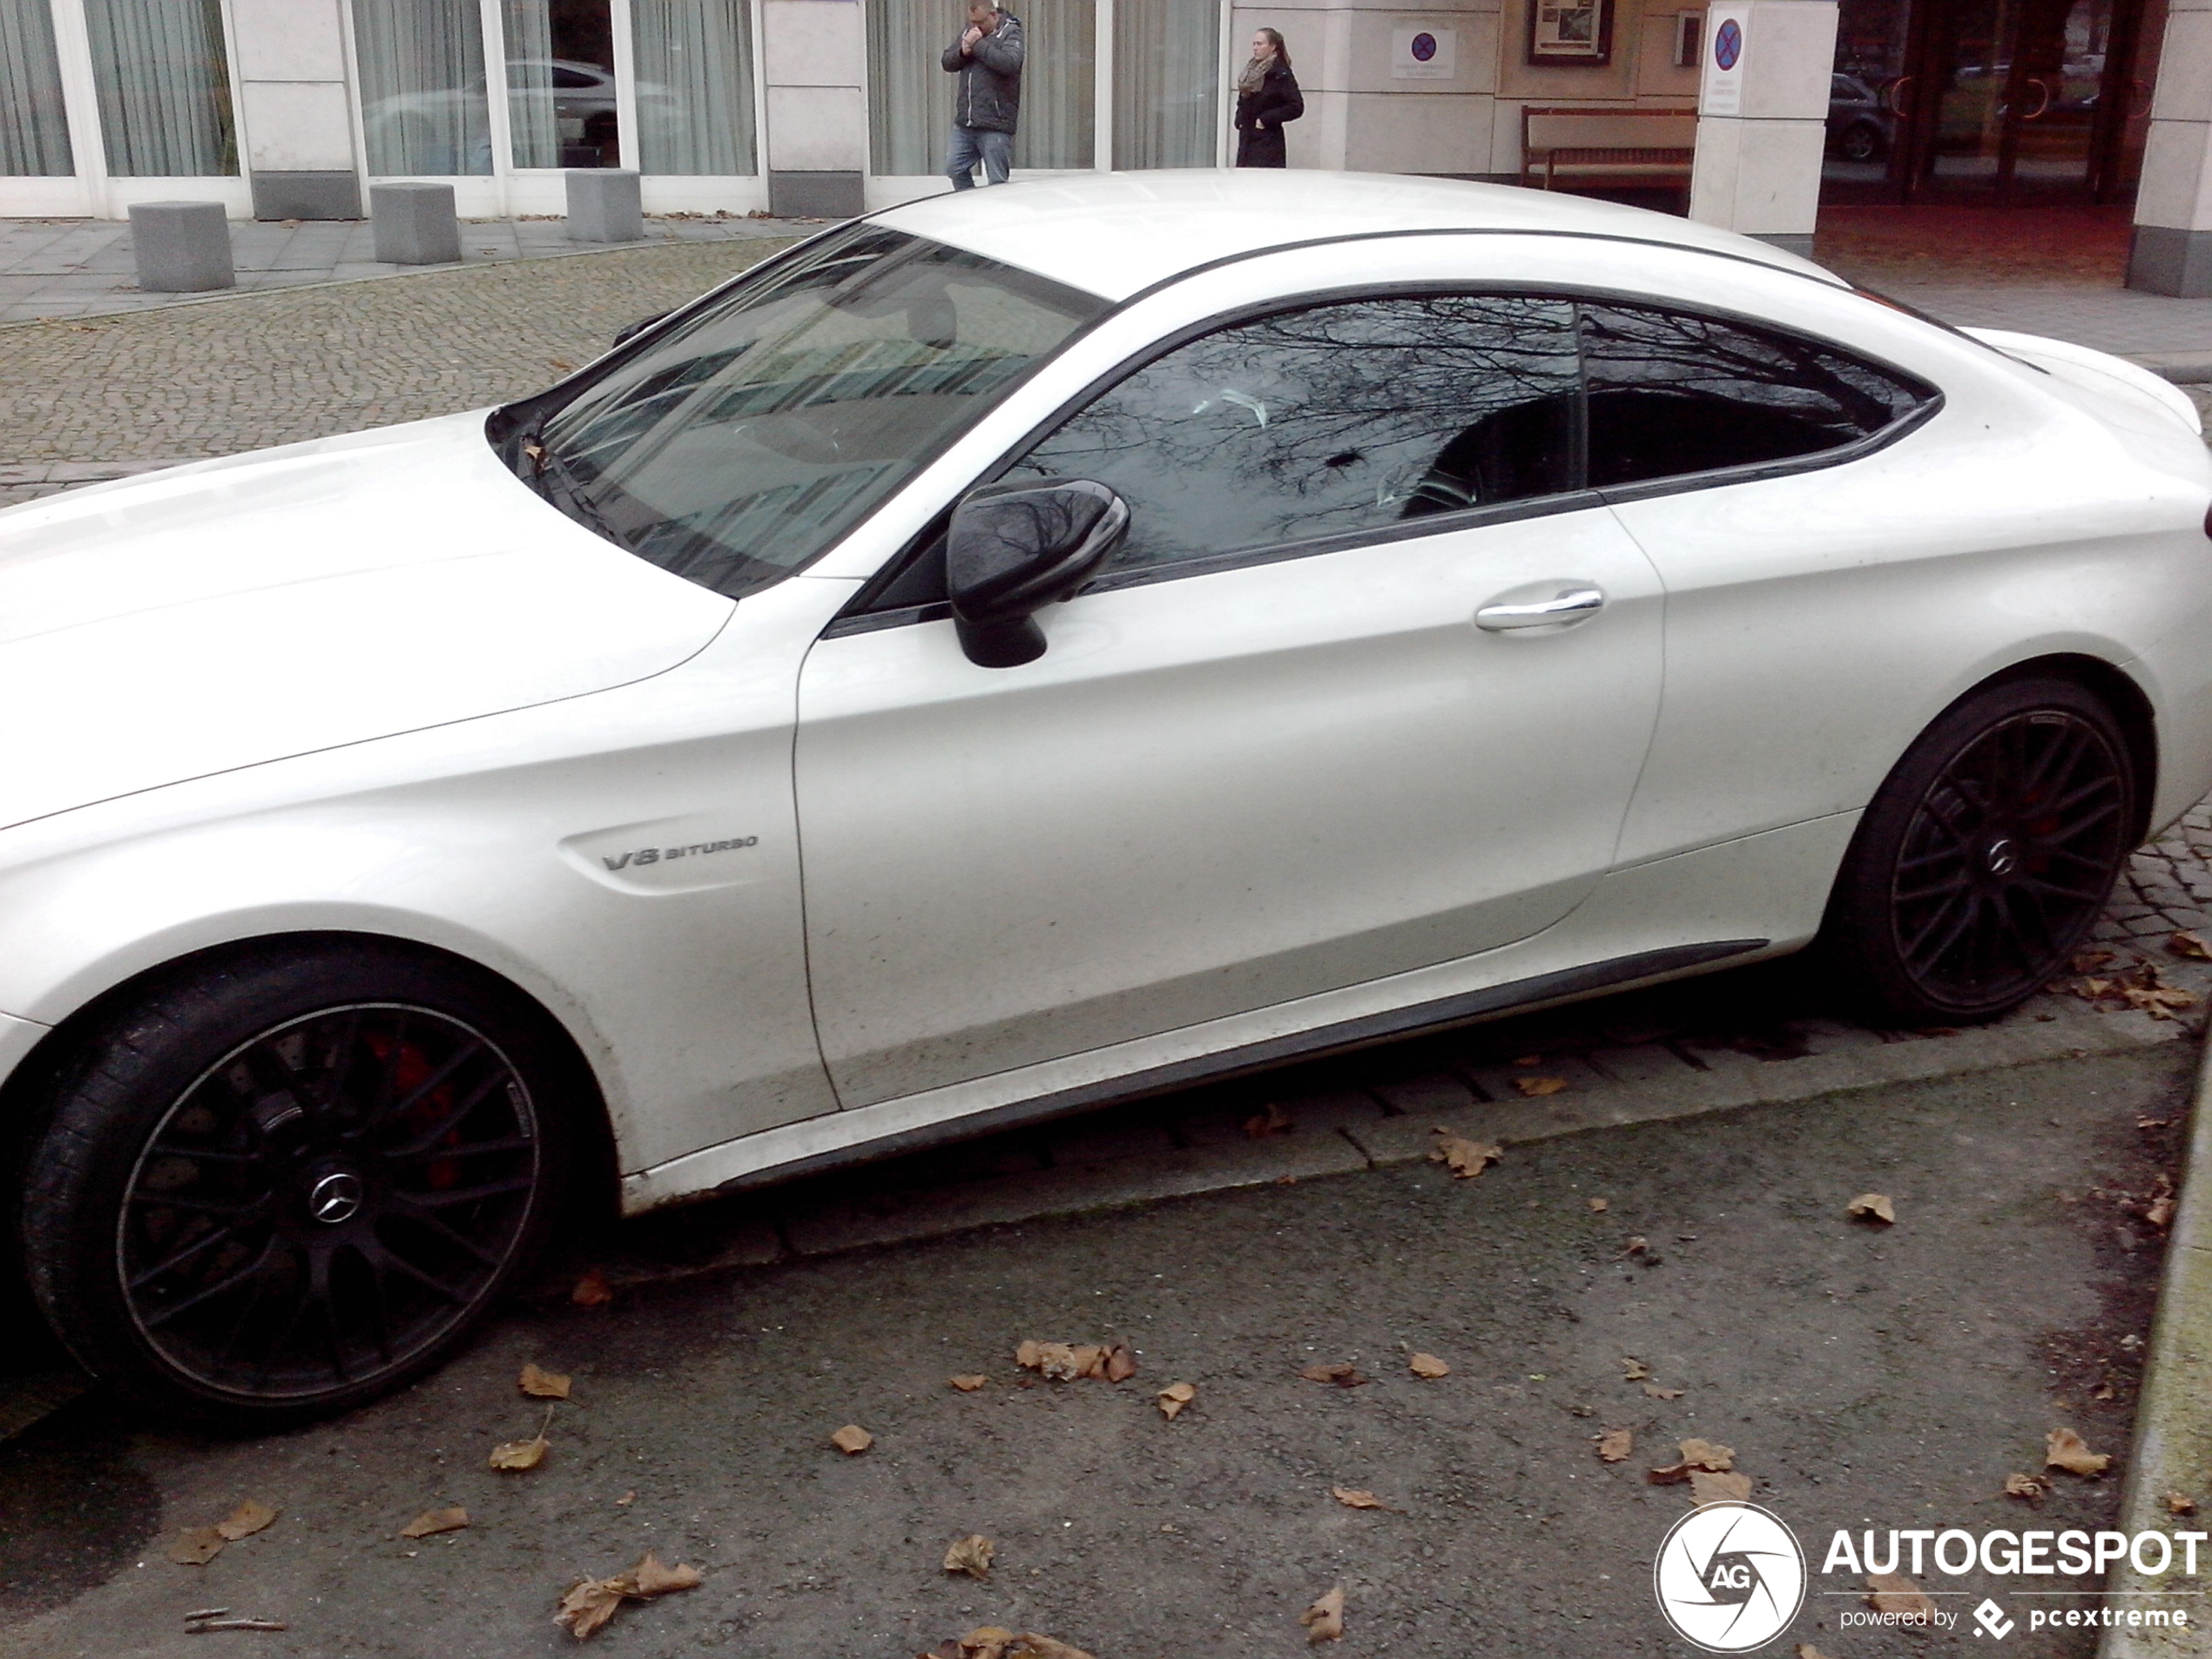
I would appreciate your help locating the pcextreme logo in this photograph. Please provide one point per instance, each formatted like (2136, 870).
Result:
(1729, 1577)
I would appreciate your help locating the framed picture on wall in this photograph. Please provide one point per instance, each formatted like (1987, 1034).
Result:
(1568, 33)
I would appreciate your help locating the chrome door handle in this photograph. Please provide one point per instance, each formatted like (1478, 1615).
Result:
(1572, 604)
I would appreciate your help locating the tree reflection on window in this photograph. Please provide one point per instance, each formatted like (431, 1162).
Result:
(1337, 418)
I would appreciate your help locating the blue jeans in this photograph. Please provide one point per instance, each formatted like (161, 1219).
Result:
(970, 145)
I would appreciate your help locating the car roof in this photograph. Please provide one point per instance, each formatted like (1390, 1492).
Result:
(1116, 234)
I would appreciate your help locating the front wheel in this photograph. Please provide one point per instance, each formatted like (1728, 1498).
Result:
(1986, 855)
(279, 1187)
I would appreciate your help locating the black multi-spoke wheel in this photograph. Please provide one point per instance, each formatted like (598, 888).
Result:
(283, 1187)
(1985, 859)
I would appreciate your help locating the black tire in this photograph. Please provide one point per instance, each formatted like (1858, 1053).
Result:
(1986, 855)
(277, 1186)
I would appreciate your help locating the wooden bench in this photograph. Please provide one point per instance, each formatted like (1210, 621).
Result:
(1607, 147)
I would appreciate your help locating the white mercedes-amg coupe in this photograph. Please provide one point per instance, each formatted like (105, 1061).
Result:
(1020, 650)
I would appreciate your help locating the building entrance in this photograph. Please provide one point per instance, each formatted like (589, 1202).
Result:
(1996, 102)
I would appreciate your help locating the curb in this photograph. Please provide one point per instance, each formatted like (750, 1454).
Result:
(2172, 1449)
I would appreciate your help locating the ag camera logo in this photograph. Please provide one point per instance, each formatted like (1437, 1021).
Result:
(1729, 1577)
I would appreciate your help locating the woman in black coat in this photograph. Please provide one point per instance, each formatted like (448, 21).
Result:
(1267, 96)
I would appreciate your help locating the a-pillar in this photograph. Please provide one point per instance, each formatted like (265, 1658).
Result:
(295, 114)
(2172, 251)
(813, 55)
(1763, 118)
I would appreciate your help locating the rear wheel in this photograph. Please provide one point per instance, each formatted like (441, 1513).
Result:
(1987, 856)
(279, 1187)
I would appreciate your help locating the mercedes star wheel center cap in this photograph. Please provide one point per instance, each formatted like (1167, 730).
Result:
(335, 1198)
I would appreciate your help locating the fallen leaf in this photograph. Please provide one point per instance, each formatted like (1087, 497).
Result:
(592, 1291)
(625, 1500)
(652, 1579)
(1633, 1369)
(435, 1520)
(1359, 1498)
(246, 1519)
(1030, 1645)
(1706, 1488)
(968, 1385)
(852, 1440)
(2064, 1449)
(2160, 1210)
(2191, 946)
(1121, 1363)
(1271, 1122)
(1536, 1088)
(1806, 1650)
(543, 1385)
(1871, 1206)
(1617, 1444)
(197, 1546)
(1343, 1376)
(1657, 1393)
(971, 1556)
(1428, 1365)
(1465, 1159)
(2180, 1503)
(1324, 1620)
(992, 1642)
(1174, 1398)
(1895, 1592)
(1696, 1455)
(1530, 1060)
(1065, 1362)
(2157, 1001)
(592, 1602)
(2105, 1391)
(1599, 1206)
(2029, 1488)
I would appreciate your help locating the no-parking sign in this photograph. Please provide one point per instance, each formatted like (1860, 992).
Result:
(1721, 93)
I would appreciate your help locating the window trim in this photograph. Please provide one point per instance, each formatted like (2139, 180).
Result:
(857, 615)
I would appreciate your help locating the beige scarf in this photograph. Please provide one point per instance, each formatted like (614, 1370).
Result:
(1255, 72)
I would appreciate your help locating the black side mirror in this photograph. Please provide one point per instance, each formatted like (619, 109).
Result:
(1012, 550)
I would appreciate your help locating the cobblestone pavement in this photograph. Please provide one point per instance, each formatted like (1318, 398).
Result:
(98, 398)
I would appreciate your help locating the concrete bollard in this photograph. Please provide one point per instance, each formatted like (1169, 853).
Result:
(182, 247)
(603, 205)
(414, 224)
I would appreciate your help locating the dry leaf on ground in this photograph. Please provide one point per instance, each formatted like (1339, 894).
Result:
(1806, 1650)
(1065, 1362)
(2064, 1449)
(969, 1383)
(1465, 1159)
(1617, 1444)
(1174, 1398)
(625, 1500)
(1599, 1206)
(435, 1520)
(852, 1440)
(2180, 1503)
(1536, 1088)
(1343, 1376)
(1871, 1206)
(1324, 1620)
(1121, 1363)
(197, 1546)
(523, 1454)
(1657, 1393)
(1260, 1125)
(543, 1385)
(1428, 1365)
(592, 1290)
(593, 1601)
(2027, 1487)
(992, 1642)
(1706, 1488)
(1359, 1498)
(1696, 1455)
(1895, 1592)
(1633, 1369)
(2191, 946)
(246, 1519)
(971, 1556)
(1530, 1060)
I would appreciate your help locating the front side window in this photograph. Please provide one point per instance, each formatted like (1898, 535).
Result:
(1339, 418)
(1674, 393)
(164, 81)
(743, 441)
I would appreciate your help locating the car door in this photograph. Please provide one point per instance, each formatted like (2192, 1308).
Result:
(1271, 750)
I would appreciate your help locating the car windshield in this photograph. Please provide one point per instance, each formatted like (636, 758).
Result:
(733, 445)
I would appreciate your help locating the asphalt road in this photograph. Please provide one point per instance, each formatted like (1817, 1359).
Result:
(1864, 1376)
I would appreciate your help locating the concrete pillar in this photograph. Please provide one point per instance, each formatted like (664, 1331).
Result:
(414, 224)
(603, 205)
(182, 247)
(2172, 253)
(1762, 113)
(295, 115)
(814, 60)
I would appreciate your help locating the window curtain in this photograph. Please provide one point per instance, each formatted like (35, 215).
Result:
(164, 86)
(1059, 85)
(530, 115)
(1167, 58)
(910, 96)
(34, 134)
(694, 86)
(423, 105)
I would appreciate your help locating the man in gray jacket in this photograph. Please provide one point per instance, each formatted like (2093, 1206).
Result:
(988, 59)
